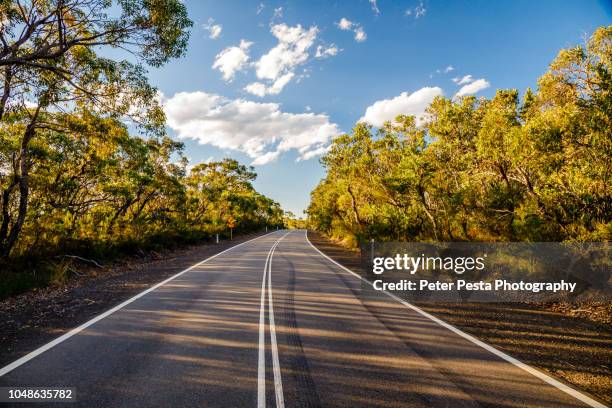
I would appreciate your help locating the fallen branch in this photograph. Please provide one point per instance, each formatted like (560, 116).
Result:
(91, 261)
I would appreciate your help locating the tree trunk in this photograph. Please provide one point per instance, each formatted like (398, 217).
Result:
(6, 215)
(24, 187)
(8, 76)
(430, 216)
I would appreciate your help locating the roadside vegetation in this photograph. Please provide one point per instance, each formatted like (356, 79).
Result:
(534, 167)
(519, 168)
(86, 168)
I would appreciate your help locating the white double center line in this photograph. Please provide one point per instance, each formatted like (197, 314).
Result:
(261, 367)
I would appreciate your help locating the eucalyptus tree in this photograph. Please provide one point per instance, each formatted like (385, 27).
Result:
(52, 57)
(535, 168)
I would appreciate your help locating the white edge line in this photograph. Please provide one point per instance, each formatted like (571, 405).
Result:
(551, 381)
(10, 367)
(278, 382)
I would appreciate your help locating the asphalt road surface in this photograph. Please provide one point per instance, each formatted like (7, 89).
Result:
(273, 322)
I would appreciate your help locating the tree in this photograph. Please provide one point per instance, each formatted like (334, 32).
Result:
(50, 64)
(499, 169)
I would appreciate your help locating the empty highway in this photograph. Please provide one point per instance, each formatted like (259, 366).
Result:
(273, 322)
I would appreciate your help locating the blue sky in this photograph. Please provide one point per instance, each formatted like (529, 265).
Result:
(271, 83)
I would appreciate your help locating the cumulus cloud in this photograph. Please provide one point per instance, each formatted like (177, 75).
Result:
(266, 158)
(256, 88)
(214, 30)
(360, 35)
(466, 79)
(232, 59)
(276, 68)
(260, 130)
(260, 89)
(346, 25)
(315, 152)
(324, 52)
(291, 50)
(405, 104)
(473, 87)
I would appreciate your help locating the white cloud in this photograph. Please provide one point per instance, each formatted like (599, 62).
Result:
(280, 83)
(418, 11)
(260, 8)
(345, 25)
(261, 90)
(405, 104)
(446, 70)
(463, 80)
(266, 158)
(232, 59)
(473, 87)
(291, 50)
(214, 30)
(256, 88)
(277, 66)
(374, 7)
(324, 52)
(260, 130)
(278, 12)
(360, 35)
(314, 153)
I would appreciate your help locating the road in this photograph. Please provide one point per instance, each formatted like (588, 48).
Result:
(273, 322)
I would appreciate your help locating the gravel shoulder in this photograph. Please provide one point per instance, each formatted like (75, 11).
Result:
(34, 318)
(571, 342)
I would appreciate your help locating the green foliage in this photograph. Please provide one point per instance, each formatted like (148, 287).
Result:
(93, 183)
(72, 179)
(500, 169)
(97, 192)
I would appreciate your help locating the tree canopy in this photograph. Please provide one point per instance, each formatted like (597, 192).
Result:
(72, 177)
(534, 167)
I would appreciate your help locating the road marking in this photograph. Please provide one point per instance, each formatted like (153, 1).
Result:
(549, 380)
(8, 368)
(278, 383)
(261, 354)
(261, 364)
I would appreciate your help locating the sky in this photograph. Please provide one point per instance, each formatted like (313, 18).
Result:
(272, 83)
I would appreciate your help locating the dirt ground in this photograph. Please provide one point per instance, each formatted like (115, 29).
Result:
(571, 342)
(34, 318)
